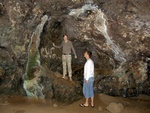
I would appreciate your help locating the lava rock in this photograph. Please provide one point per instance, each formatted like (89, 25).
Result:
(107, 84)
(67, 91)
(117, 33)
(47, 84)
(2, 71)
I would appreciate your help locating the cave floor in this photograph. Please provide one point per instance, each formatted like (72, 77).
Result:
(16, 104)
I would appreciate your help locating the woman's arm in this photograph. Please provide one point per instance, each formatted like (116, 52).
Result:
(58, 46)
(74, 52)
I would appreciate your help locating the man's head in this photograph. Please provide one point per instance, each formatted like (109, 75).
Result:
(87, 54)
(65, 37)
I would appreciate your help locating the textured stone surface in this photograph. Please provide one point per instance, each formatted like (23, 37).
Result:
(100, 108)
(47, 83)
(115, 108)
(117, 33)
(66, 90)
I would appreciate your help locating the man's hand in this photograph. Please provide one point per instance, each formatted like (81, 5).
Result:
(75, 57)
(86, 81)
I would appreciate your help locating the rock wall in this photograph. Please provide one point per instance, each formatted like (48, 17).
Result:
(117, 33)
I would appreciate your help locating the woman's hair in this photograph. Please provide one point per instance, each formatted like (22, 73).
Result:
(88, 52)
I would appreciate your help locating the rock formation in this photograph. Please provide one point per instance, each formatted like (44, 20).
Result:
(117, 33)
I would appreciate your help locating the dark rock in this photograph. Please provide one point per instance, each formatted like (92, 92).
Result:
(117, 33)
(47, 84)
(2, 10)
(2, 72)
(145, 88)
(67, 91)
(107, 84)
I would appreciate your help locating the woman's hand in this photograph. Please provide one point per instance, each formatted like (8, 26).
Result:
(75, 57)
(53, 44)
(86, 81)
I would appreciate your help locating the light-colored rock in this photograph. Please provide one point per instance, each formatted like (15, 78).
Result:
(58, 75)
(100, 108)
(55, 105)
(115, 108)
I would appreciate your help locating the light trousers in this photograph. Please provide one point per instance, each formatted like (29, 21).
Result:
(66, 61)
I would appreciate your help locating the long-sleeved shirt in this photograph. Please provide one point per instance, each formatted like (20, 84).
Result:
(67, 47)
(88, 69)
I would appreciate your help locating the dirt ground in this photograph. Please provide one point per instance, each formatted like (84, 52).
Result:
(15, 104)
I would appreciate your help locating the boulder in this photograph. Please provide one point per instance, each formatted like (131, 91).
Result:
(100, 108)
(67, 91)
(115, 107)
(117, 33)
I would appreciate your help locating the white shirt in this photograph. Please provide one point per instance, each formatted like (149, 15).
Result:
(88, 69)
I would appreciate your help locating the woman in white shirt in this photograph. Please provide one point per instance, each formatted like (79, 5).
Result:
(88, 90)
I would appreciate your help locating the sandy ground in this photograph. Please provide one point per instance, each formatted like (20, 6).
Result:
(16, 104)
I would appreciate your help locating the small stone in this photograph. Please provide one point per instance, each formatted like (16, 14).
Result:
(55, 105)
(100, 108)
(115, 108)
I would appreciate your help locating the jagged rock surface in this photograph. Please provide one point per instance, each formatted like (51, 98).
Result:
(127, 26)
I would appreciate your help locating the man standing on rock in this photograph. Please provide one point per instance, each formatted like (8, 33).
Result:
(66, 56)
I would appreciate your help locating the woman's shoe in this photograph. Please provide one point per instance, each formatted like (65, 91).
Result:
(82, 105)
(92, 106)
